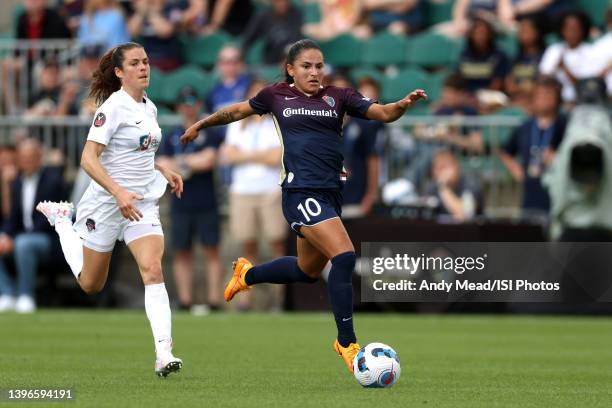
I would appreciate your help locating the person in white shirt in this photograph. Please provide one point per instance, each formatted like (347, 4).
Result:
(570, 60)
(253, 148)
(121, 203)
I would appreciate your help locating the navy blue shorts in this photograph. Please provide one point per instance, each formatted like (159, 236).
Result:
(310, 207)
(186, 225)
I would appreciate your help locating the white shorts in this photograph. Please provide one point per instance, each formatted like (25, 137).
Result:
(100, 224)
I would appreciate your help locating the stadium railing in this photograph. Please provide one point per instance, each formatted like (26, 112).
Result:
(404, 155)
(25, 58)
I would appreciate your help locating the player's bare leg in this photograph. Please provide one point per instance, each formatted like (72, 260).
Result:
(148, 252)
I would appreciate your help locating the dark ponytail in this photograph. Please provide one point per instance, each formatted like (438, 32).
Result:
(104, 81)
(295, 51)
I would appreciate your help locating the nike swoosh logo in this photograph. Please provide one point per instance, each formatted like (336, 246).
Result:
(346, 319)
(288, 99)
(139, 122)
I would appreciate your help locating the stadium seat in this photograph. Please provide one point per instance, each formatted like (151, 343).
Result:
(188, 75)
(362, 72)
(269, 73)
(438, 11)
(203, 51)
(342, 51)
(596, 9)
(500, 135)
(156, 85)
(434, 85)
(508, 44)
(432, 50)
(254, 55)
(385, 49)
(311, 12)
(396, 87)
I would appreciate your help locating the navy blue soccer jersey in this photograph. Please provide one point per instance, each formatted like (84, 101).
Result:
(310, 128)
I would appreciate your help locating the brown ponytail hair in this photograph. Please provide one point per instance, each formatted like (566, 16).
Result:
(104, 81)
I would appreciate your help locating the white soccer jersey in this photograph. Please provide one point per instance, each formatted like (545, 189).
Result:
(131, 134)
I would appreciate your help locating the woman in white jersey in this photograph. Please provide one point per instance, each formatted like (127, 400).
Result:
(121, 203)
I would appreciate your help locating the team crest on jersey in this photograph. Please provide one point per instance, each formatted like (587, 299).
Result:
(100, 119)
(147, 141)
(90, 224)
(330, 101)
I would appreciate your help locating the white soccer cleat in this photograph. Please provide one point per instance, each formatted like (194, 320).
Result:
(54, 211)
(166, 363)
(25, 304)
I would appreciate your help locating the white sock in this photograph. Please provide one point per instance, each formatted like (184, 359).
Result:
(72, 246)
(157, 306)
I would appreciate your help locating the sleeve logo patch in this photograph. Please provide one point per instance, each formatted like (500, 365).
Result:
(100, 119)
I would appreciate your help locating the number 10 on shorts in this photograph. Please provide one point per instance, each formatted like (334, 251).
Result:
(310, 208)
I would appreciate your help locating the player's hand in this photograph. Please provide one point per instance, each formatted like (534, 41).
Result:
(412, 97)
(128, 209)
(190, 134)
(175, 180)
(6, 244)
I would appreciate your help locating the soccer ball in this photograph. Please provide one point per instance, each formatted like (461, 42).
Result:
(376, 366)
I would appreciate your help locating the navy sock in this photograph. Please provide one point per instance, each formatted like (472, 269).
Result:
(280, 270)
(340, 288)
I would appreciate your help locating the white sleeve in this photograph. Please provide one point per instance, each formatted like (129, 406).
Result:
(550, 59)
(105, 124)
(232, 137)
(269, 130)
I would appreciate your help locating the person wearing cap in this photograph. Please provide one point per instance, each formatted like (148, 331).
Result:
(196, 213)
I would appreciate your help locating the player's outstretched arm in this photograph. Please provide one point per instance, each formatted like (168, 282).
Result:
(229, 114)
(392, 111)
(90, 162)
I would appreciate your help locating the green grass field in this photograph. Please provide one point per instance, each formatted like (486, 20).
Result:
(256, 360)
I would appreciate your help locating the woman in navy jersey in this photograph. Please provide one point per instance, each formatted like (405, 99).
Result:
(308, 118)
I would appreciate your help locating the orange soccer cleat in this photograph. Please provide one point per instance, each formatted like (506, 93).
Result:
(237, 284)
(347, 353)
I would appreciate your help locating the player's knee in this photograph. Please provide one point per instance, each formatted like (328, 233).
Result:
(343, 266)
(151, 273)
(92, 288)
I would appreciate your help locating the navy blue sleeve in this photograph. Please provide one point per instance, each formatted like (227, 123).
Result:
(375, 140)
(262, 102)
(213, 139)
(356, 104)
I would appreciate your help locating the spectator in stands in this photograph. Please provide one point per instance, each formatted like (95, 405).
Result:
(196, 212)
(363, 144)
(524, 70)
(253, 149)
(156, 22)
(26, 233)
(278, 27)
(601, 53)
(457, 196)
(569, 60)
(37, 22)
(482, 64)
(400, 17)
(455, 101)
(8, 172)
(102, 23)
(232, 87)
(546, 11)
(338, 17)
(44, 101)
(231, 16)
(75, 98)
(465, 12)
(536, 141)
